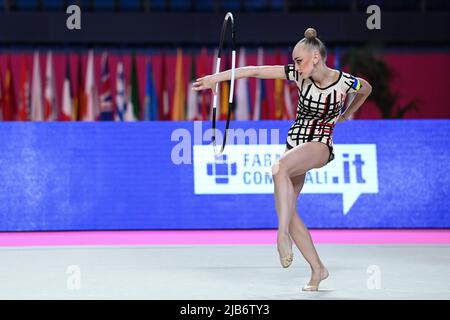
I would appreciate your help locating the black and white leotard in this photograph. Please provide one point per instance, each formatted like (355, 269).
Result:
(318, 108)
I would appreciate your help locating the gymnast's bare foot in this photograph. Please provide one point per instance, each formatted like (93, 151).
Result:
(317, 276)
(284, 246)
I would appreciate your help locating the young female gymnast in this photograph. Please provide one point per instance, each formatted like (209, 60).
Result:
(309, 144)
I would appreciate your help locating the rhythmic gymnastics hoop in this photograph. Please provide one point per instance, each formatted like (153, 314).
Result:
(228, 17)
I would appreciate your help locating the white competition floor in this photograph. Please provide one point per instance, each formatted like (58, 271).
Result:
(239, 271)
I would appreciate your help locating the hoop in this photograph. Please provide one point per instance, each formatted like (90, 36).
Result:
(228, 17)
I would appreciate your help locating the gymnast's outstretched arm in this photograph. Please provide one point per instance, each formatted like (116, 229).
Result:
(262, 72)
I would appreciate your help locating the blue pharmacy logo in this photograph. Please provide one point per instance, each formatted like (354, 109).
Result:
(221, 169)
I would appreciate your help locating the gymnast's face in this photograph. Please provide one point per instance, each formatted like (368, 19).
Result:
(304, 60)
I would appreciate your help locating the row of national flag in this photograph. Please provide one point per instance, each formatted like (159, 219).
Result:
(163, 100)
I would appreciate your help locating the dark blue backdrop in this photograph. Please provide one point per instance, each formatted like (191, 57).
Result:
(106, 176)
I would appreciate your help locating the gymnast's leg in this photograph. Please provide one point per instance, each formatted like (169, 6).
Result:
(303, 241)
(295, 162)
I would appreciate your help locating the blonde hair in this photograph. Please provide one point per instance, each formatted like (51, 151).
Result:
(313, 43)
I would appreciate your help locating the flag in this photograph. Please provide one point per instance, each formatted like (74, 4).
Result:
(259, 89)
(133, 111)
(37, 108)
(151, 99)
(193, 97)
(205, 95)
(9, 107)
(79, 100)
(280, 107)
(121, 97)
(222, 110)
(179, 95)
(89, 106)
(266, 113)
(106, 103)
(163, 95)
(242, 92)
(50, 100)
(24, 91)
(67, 103)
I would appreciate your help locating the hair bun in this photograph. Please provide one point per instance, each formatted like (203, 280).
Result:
(310, 33)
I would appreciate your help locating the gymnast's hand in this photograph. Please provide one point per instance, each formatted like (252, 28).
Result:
(206, 82)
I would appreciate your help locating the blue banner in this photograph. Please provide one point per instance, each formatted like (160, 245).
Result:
(164, 175)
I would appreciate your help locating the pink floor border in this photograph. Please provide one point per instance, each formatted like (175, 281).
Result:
(214, 237)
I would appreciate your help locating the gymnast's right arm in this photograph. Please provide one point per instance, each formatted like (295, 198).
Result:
(262, 72)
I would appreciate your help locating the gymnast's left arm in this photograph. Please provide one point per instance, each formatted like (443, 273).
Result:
(262, 72)
(361, 95)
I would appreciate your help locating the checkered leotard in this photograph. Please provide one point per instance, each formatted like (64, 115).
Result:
(318, 108)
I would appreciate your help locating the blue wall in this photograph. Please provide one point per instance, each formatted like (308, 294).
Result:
(117, 176)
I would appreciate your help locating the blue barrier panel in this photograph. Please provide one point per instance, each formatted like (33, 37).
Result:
(163, 175)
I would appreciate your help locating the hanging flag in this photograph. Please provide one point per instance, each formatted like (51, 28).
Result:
(266, 113)
(89, 106)
(121, 97)
(24, 91)
(179, 95)
(204, 95)
(193, 97)
(151, 99)
(242, 92)
(9, 106)
(133, 111)
(222, 110)
(259, 88)
(106, 103)
(67, 103)
(163, 96)
(79, 99)
(37, 107)
(280, 107)
(50, 100)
